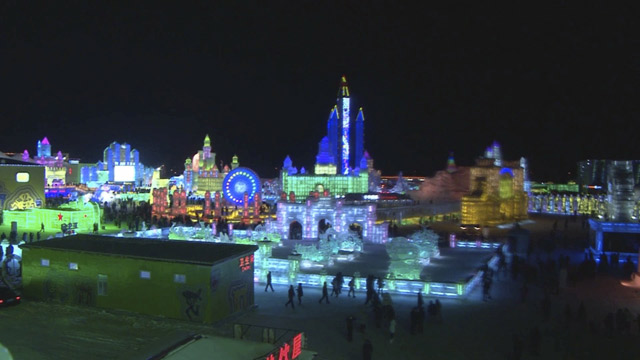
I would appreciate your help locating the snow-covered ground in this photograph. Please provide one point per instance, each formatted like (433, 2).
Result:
(472, 329)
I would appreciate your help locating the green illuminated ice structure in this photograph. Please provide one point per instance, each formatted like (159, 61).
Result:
(191, 233)
(330, 246)
(427, 242)
(408, 256)
(76, 215)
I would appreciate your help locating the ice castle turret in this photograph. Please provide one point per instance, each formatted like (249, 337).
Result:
(359, 151)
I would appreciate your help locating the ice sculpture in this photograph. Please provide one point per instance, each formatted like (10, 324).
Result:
(405, 259)
(621, 196)
(427, 242)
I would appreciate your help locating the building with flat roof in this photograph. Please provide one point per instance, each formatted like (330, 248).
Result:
(194, 281)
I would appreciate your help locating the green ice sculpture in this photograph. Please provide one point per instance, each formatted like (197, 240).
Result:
(427, 242)
(405, 259)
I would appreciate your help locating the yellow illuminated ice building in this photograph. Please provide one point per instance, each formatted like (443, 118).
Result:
(497, 191)
(201, 173)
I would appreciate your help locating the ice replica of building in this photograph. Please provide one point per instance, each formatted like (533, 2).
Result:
(201, 174)
(446, 185)
(21, 184)
(120, 165)
(295, 220)
(620, 230)
(341, 164)
(55, 166)
(593, 173)
(497, 191)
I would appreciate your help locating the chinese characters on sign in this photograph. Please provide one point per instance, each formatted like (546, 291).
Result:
(290, 350)
(245, 262)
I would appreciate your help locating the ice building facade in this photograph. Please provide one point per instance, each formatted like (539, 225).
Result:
(342, 164)
(120, 165)
(496, 192)
(306, 220)
(201, 174)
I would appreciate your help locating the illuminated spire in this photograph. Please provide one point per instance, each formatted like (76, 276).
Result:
(344, 87)
(333, 130)
(207, 141)
(359, 151)
(45, 141)
(287, 163)
(344, 106)
(234, 162)
(451, 163)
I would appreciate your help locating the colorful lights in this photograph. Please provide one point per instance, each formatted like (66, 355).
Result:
(74, 214)
(238, 182)
(346, 123)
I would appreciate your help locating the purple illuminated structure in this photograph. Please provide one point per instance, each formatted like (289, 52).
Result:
(339, 132)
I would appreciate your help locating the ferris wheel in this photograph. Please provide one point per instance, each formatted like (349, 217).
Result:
(238, 182)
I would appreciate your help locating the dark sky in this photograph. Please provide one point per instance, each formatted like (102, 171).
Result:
(554, 84)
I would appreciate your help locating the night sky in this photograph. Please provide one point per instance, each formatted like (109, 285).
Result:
(554, 84)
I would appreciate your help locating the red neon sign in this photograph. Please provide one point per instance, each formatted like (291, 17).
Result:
(290, 350)
(245, 262)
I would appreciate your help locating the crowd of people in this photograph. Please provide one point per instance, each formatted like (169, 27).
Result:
(379, 304)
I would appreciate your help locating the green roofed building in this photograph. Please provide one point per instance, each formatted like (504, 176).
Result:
(195, 281)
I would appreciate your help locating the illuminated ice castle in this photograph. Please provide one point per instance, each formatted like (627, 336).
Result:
(120, 165)
(201, 174)
(55, 166)
(497, 191)
(319, 212)
(340, 167)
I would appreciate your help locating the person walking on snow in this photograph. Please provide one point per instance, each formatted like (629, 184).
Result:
(334, 286)
(352, 288)
(325, 294)
(300, 293)
(292, 294)
(268, 282)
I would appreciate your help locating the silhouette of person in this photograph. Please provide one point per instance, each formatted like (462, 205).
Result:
(292, 294)
(268, 282)
(334, 286)
(300, 293)
(325, 294)
(352, 288)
